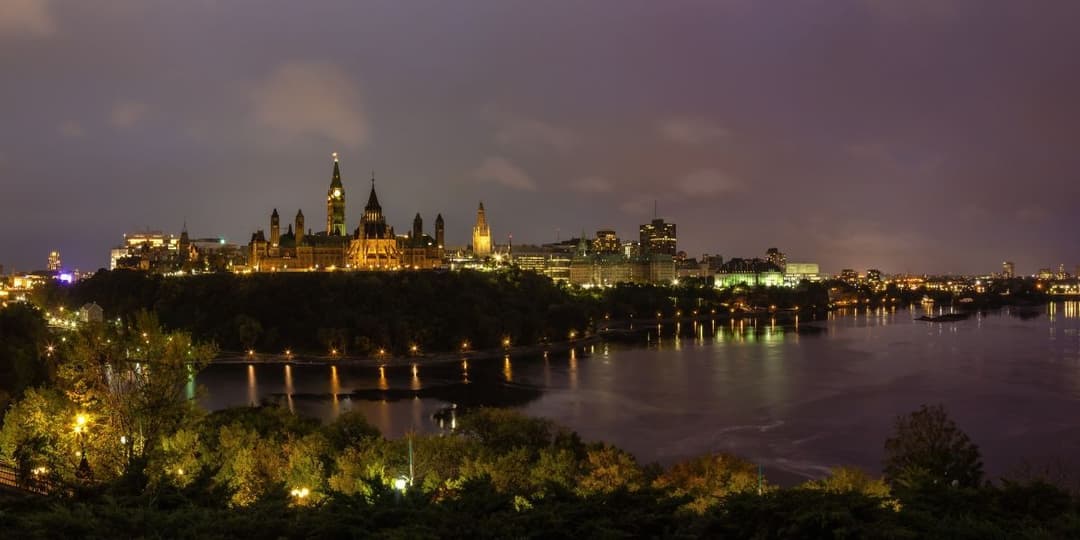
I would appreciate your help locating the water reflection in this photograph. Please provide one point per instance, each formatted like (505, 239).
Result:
(335, 389)
(791, 389)
(383, 383)
(289, 390)
(253, 389)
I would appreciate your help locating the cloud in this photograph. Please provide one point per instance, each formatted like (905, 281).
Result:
(707, 182)
(638, 207)
(71, 129)
(525, 133)
(26, 18)
(501, 171)
(126, 114)
(532, 134)
(302, 100)
(1032, 213)
(690, 130)
(593, 184)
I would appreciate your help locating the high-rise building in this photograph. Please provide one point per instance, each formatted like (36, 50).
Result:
(1061, 271)
(607, 242)
(481, 235)
(658, 237)
(776, 257)
(335, 203)
(1008, 270)
(54, 261)
(873, 275)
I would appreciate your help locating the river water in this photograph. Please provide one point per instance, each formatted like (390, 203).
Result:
(798, 398)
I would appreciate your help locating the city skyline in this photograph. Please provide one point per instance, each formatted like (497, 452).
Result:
(912, 137)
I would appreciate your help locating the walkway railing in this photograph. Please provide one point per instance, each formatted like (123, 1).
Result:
(36, 483)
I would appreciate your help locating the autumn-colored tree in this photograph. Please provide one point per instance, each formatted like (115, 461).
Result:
(710, 478)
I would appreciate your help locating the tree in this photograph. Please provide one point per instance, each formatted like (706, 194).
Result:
(132, 385)
(608, 469)
(709, 479)
(928, 449)
(23, 350)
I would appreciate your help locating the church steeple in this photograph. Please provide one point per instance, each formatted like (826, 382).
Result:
(335, 203)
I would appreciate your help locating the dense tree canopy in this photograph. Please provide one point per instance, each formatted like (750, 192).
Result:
(928, 449)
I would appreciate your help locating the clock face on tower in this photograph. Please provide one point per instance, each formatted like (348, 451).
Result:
(337, 193)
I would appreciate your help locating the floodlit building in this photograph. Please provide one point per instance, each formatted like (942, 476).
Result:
(748, 273)
(481, 234)
(795, 272)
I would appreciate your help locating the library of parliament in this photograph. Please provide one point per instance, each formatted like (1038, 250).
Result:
(371, 246)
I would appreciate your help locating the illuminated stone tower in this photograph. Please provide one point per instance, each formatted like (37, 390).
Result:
(275, 229)
(481, 234)
(417, 229)
(335, 203)
(440, 233)
(299, 227)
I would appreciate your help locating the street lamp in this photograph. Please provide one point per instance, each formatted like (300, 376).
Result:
(83, 471)
(400, 483)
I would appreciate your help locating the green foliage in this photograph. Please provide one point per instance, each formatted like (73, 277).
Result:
(802, 513)
(23, 357)
(353, 312)
(37, 432)
(851, 479)
(349, 429)
(928, 449)
(708, 480)
(608, 469)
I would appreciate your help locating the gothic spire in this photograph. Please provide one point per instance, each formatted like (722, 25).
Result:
(373, 200)
(335, 179)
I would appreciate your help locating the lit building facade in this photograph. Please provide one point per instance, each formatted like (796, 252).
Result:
(658, 237)
(1008, 270)
(374, 246)
(481, 234)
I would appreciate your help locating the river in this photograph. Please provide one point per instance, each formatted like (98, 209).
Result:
(797, 398)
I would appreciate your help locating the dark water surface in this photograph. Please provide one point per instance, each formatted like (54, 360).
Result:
(798, 400)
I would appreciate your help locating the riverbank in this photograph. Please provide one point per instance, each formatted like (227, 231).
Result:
(418, 359)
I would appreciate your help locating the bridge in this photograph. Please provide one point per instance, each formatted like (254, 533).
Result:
(36, 484)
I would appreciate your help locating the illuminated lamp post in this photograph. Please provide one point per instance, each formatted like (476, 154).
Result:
(83, 471)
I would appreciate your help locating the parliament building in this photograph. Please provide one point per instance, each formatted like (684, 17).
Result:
(372, 245)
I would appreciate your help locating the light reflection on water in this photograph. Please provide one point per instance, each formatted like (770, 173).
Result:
(797, 395)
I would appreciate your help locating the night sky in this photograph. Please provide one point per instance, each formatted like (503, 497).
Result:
(917, 135)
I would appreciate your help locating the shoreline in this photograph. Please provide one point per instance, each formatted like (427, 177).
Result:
(419, 360)
(613, 330)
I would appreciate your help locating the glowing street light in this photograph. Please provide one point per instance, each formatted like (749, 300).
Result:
(300, 493)
(506, 342)
(80, 423)
(400, 483)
